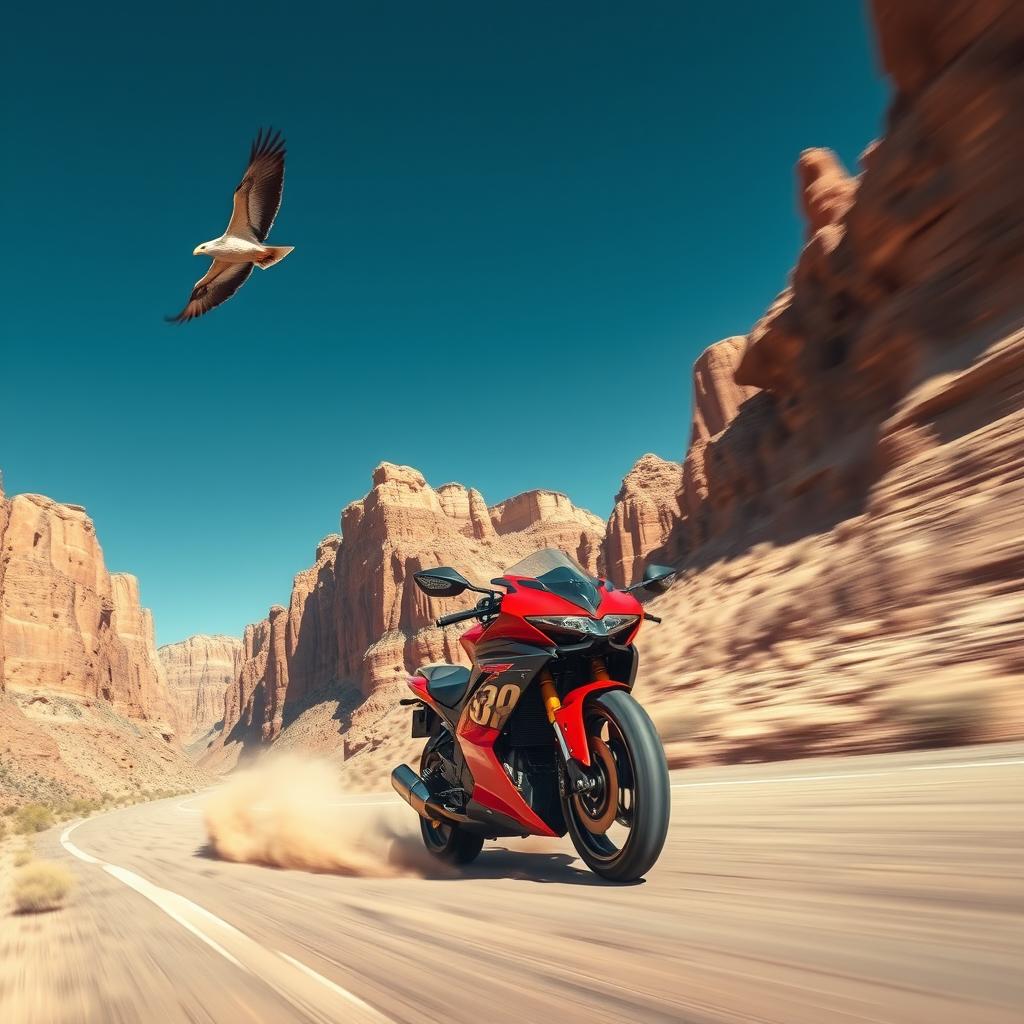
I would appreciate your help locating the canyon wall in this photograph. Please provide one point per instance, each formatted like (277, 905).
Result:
(68, 624)
(849, 517)
(85, 707)
(199, 671)
(357, 620)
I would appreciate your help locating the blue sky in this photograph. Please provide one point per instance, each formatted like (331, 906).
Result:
(516, 225)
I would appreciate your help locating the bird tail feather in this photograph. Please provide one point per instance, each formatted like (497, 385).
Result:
(273, 254)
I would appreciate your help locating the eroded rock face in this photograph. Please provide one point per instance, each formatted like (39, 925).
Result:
(645, 514)
(716, 395)
(851, 540)
(86, 708)
(68, 624)
(356, 617)
(199, 671)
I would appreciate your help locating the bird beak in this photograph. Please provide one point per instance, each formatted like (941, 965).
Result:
(196, 252)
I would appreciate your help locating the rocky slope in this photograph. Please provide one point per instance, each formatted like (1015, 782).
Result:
(850, 534)
(199, 670)
(85, 705)
(356, 623)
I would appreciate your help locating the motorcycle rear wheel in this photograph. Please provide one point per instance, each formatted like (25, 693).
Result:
(445, 840)
(632, 771)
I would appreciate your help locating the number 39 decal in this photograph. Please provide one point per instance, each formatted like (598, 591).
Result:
(491, 706)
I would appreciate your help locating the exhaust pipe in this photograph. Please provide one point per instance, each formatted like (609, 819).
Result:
(413, 790)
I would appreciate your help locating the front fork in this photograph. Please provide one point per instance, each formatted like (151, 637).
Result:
(576, 761)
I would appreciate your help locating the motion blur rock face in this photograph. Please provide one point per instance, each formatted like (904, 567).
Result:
(86, 706)
(199, 671)
(357, 622)
(716, 395)
(851, 537)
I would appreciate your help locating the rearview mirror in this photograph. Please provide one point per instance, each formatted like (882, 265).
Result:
(442, 582)
(657, 578)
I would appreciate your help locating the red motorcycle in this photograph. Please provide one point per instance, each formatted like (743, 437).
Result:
(541, 736)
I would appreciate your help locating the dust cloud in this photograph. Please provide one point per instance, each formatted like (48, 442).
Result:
(291, 812)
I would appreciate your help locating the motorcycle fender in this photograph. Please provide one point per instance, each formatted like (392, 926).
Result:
(569, 717)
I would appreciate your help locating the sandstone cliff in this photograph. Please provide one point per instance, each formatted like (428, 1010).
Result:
(199, 671)
(69, 625)
(356, 622)
(85, 702)
(850, 533)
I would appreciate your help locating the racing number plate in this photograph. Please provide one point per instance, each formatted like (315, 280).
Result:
(491, 705)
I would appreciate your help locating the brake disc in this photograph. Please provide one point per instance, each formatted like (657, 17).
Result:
(597, 816)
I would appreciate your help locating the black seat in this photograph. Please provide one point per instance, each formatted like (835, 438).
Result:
(446, 683)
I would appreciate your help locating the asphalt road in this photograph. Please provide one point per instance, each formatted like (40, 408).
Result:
(886, 888)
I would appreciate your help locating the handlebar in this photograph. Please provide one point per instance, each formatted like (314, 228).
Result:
(447, 620)
(651, 618)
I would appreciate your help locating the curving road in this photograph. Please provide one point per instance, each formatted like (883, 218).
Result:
(887, 888)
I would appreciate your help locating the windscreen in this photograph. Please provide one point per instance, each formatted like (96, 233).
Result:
(561, 575)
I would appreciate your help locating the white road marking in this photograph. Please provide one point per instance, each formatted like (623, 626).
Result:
(846, 775)
(281, 972)
(343, 992)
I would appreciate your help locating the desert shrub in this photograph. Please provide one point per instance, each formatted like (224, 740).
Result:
(941, 719)
(23, 855)
(41, 886)
(32, 818)
(3, 830)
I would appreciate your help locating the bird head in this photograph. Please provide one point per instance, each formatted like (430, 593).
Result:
(200, 250)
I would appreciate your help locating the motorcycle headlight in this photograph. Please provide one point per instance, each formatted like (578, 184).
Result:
(619, 625)
(579, 627)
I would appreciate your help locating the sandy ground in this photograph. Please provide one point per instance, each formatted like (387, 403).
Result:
(885, 888)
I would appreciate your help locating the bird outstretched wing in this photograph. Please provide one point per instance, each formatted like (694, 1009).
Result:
(258, 196)
(217, 285)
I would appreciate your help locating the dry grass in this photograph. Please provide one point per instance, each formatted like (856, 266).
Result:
(32, 818)
(23, 856)
(41, 886)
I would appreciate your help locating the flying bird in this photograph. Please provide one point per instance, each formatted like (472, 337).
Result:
(241, 247)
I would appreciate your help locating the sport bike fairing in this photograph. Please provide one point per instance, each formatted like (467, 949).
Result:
(508, 653)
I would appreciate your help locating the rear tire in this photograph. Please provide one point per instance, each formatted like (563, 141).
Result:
(449, 843)
(446, 841)
(643, 792)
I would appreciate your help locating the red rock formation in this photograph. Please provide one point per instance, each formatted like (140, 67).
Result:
(135, 630)
(645, 513)
(199, 671)
(85, 707)
(356, 618)
(68, 625)
(716, 395)
(384, 622)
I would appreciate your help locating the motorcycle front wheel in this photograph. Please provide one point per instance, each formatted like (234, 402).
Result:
(619, 827)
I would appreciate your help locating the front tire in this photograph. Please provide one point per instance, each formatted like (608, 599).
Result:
(629, 760)
(446, 841)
